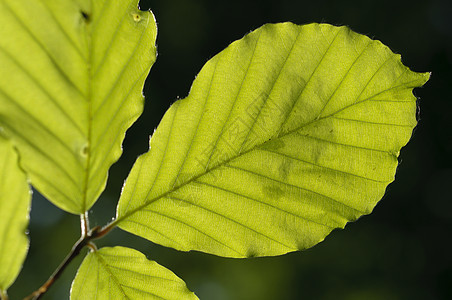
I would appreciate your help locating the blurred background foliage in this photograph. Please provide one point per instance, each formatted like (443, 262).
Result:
(401, 251)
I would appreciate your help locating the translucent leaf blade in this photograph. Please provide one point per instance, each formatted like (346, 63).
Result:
(14, 215)
(70, 85)
(124, 273)
(287, 134)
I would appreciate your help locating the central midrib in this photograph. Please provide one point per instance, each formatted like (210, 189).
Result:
(88, 36)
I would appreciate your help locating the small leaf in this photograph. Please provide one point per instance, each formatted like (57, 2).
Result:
(287, 134)
(14, 215)
(71, 81)
(124, 273)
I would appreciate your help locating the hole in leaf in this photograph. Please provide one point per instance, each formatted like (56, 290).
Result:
(84, 150)
(85, 16)
(136, 17)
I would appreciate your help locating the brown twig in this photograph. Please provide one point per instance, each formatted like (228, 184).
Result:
(85, 240)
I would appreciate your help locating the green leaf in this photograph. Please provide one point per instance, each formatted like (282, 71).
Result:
(14, 214)
(287, 134)
(124, 273)
(71, 78)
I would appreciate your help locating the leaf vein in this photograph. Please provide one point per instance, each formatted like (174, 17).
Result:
(295, 186)
(44, 154)
(110, 273)
(192, 227)
(344, 77)
(261, 202)
(341, 144)
(234, 103)
(154, 230)
(139, 273)
(324, 167)
(139, 290)
(372, 123)
(371, 98)
(41, 87)
(176, 105)
(231, 220)
(308, 81)
(49, 55)
(123, 100)
(109, 47)
(60, 27)
(197, 125)
(271, 89)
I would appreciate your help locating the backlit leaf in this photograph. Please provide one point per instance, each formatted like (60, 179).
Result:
(14, 208)
(124, 273)
(287, 134)
(71, 78)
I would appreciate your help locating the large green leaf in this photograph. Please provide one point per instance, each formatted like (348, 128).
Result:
(124, 273)
(14, 207)
(287, 134)
(71, 78)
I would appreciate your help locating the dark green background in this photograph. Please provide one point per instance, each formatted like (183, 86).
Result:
(401, 251)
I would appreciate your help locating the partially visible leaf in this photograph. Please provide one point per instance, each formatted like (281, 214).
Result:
(14, 215)
(124, 273)
(287, 134)
(71, 81)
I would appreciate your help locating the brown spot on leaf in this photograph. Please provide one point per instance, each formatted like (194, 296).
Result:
(86, 17)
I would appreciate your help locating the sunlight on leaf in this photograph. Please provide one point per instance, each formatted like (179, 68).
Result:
(71, 81)
(287, 134)
(124, 273)
(14, 215)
